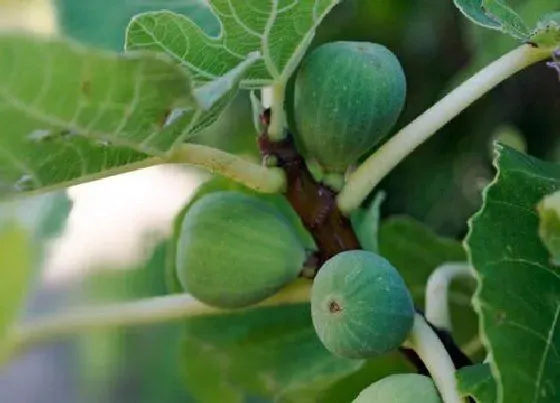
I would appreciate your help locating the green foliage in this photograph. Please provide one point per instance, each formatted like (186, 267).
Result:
(348, 95)
(15, 273)
(547, 33)
(495, 14)
(360, 305)
(549, 225)
(400, 388)
(280, 32)
(266, 352)
(518, 299)
(235, 250)
(82, 117)
(415, 250)
(365, 222)
(82, 21)
(477, 381)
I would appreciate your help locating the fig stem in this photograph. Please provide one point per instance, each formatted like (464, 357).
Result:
(147, 311)
(257, 177)
(431, 351)
(277, 95)
(361, 182)
(437, 291)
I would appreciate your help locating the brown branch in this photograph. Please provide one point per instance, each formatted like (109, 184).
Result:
(315, 204)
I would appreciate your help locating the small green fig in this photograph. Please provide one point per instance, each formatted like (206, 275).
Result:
(360, 305)
(347, 96)
(235, 250)
(400, 388)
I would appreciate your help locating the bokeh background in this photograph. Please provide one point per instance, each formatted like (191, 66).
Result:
(103, 241)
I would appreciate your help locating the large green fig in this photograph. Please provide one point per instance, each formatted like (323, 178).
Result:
(360, 305)
(235, 250)
(347, 97)
(400, 388)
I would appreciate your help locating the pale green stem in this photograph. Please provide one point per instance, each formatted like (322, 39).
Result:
(260, 178)
(276, 129)
(437, 290)
(362, 181)
(434, 356)
(75, 321)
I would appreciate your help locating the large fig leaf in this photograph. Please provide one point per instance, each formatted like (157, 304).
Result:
(70, 113)
(279, 29)
(518, 299)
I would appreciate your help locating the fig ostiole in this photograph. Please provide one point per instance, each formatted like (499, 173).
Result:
(347, 96)
(235, 250)
(400, 388)
(360, 305)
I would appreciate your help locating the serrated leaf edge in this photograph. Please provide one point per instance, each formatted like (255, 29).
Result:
(480, 279)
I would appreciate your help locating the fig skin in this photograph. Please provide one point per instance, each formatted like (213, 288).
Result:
(235, 250)
(360, 305)
(400, 388)
(347, 96)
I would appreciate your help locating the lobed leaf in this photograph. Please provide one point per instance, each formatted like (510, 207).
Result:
(477, 381)
(281, 30)
(72, 113)
(518, 297)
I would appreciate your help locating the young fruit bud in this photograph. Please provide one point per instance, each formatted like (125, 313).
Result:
(347, 97)
(235, 250)
(400, 388)
(360, 305)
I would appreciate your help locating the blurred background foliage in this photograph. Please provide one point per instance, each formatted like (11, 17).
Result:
(439, 184)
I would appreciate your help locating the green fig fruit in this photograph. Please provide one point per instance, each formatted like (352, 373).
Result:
(400, 388)
(360, 305)
(235, 250)
(347, 97)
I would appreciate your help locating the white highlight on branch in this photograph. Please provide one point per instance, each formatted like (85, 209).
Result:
(432, 352)
(141, 312)
(437, 289)
(360, 183)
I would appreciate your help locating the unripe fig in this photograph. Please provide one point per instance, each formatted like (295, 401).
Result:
(235, 250)
(347, 97)
(360, 305)
(400, 388)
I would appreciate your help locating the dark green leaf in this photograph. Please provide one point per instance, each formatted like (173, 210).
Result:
(366, 223)
(518, 299)
(477, 381)
(416, 251)
(494, 14)
(269, 352)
